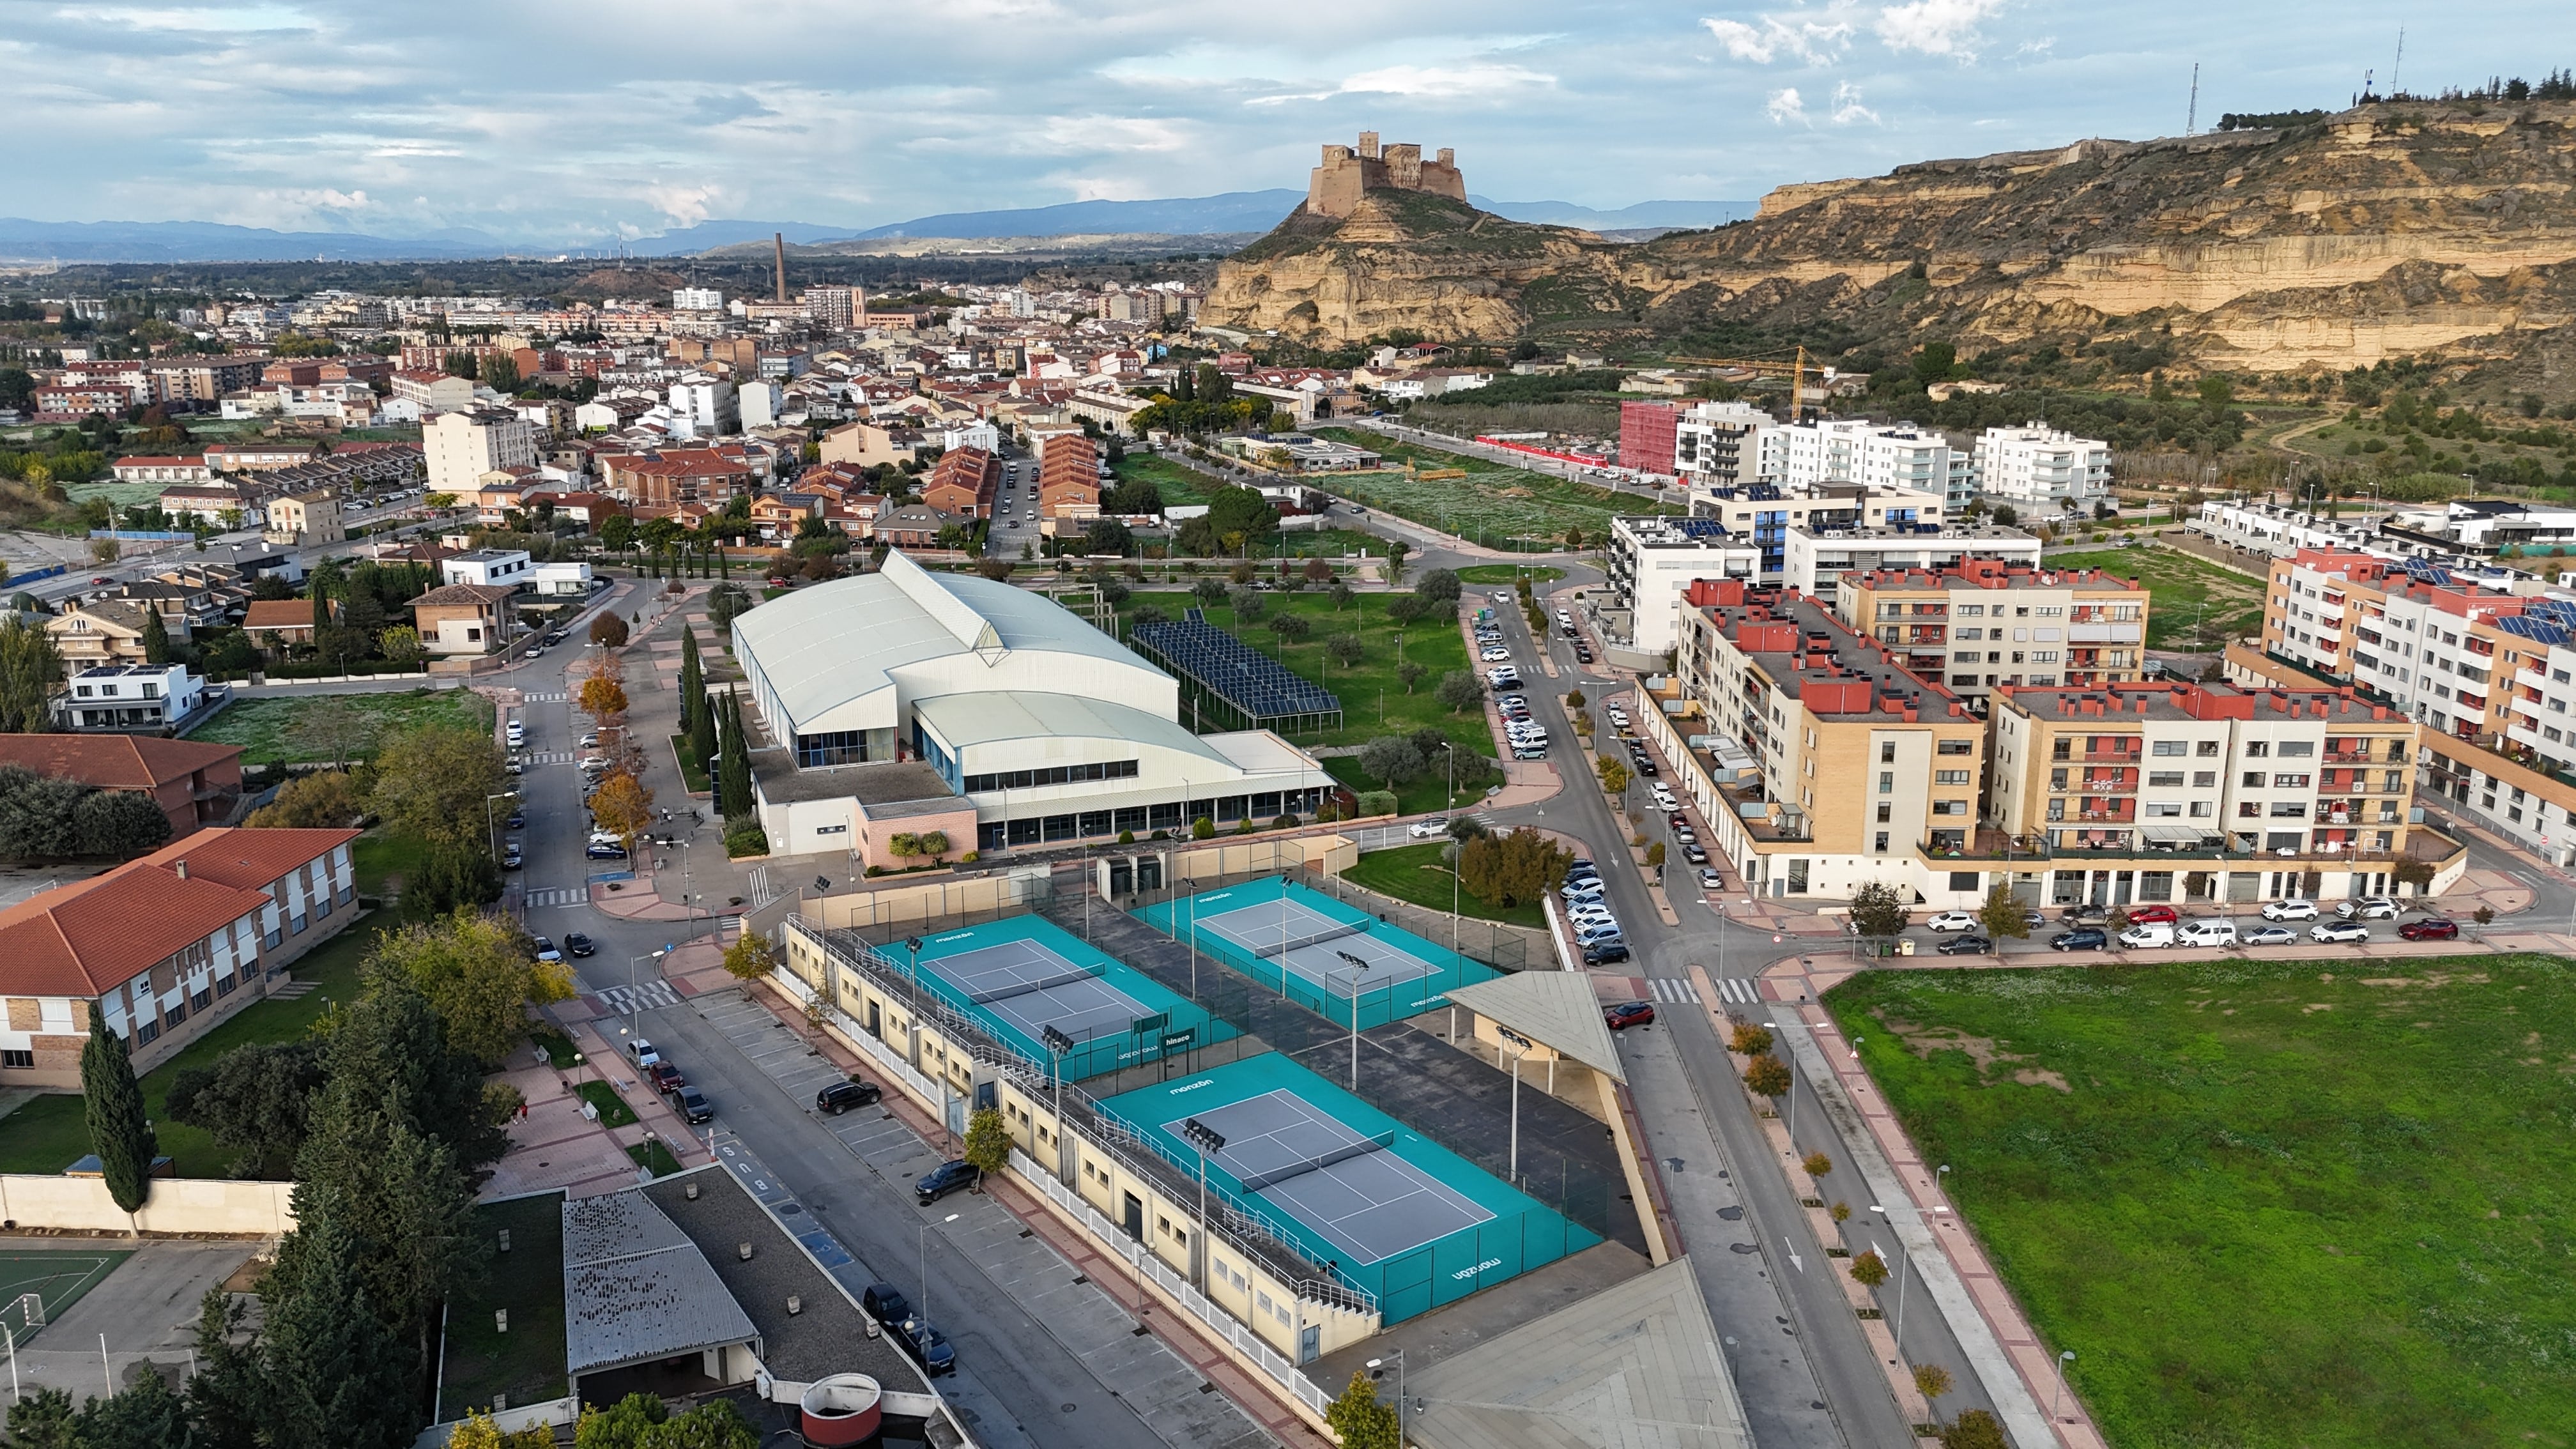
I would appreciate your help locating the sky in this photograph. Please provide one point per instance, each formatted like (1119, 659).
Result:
(574, 123)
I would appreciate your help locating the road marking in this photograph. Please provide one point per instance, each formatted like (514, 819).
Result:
(1674, 990)
(1738, 990)
(642, 996)
(1794, 1260)
(552, 697)
(560, 896)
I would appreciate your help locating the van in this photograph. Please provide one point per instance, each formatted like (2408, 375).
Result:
(2153, 933)
(2207, 933)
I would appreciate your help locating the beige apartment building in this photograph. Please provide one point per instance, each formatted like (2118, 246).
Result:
(1985, 624)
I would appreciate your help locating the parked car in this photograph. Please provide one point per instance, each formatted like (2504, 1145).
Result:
(517, 821)
(1709, 880)
(942, 1180)
(1692, 853)
(2088, 938)
(665, 1077)
(2153, 915)
(590, 742)
(604, 852)
(546, 950)
(2084, 916)
(2267, 936)
(1437, 825)
(1605, 953)
(2212, 932)
(1952, 921)
(893, 1312)
(2328, 931)
(1628, 1013)
(577, 944)
(2290, 910)
(511, 858)
(1495, 656)
(2435, 928)
(2376, 908)
(693, 1106)
(594, 763)
(842, 1096)
(1971, 944)
(2153, 933)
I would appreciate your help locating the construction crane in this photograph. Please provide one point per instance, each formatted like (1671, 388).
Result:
(1794, 370)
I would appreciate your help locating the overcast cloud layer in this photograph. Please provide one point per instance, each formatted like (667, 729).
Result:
(574, 124)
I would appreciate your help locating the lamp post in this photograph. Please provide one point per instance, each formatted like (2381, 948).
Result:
(2054, 1394)
(1377, 1364)
(1206, 1139)
(1521, 1045)
(1357, 966)
(1059, 1046)
(913, 945)
(1900, 1272)
(922, 1246)
(630, 981)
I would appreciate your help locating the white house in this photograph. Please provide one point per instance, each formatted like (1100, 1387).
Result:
(147, 697)
(2036, 465)
(503, 567)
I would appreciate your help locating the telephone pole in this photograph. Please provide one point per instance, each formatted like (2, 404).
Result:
(2191, 118)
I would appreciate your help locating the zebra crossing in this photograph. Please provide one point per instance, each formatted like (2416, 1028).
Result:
(558, 896)
(557, 696)
(642, 996)
(1679, 991)
(547, 757)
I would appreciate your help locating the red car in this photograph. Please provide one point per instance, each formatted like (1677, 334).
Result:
(2152, 916)
(2432, 930)
(666, 1078)
(1629, 1013)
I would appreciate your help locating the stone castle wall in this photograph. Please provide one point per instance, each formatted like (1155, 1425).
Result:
(1334, 187)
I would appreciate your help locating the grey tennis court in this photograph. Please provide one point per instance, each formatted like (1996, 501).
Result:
(1031, 987)
(1338, 957)
(1356, 1195)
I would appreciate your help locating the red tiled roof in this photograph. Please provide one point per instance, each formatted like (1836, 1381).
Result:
(86, 939)
(279, 614)
(246, 858)
(112, 762)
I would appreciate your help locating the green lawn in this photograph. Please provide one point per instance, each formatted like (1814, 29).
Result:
(613, 1111)
(1537, 574)
(1365, 689)
(270, 730)
(693, 772)
(655, 1156)
(1177, 482)
(1495, 505)
(2265, 1204)
(1413, 797)
(48, 1134)
(1416, 873)
(526, 1364)
(383, 860)
(2183, 590)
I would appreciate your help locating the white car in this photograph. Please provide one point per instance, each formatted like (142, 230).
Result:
(2377, 908)
(2209, 932)
(594, 763)
(1502, 596)
(1709, 880)
(1495, 656)
(2325, 931)
(1426, 829)
(590, 742)
(1952, 921)
(2290, 910)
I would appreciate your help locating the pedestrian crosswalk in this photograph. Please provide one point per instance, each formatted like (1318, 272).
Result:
(642, 996)
(1738, 990)
(558, 896)
(547, 757)
(550, 697)
(1679, 991)
(762, 892)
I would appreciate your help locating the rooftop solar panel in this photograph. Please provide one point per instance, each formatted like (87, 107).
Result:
(1243, 676)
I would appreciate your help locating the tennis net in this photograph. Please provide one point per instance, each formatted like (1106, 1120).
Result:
(1255, 1182)
(986, 996)
(1285, 944)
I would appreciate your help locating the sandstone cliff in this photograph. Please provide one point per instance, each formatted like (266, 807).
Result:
(2391, 230)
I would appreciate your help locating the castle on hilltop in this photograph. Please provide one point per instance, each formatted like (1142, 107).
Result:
(1333, 189)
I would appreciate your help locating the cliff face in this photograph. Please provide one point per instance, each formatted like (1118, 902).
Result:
(2386, 231)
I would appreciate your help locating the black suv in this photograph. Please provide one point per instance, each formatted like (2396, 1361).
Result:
(886, 1304)
(2090, 938)
(942, 1180)
(842, 1096)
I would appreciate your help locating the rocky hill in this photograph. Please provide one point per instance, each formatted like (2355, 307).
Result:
(2387, 231)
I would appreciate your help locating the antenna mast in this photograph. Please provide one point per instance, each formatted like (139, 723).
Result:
(2401, 60)
(2191, 118)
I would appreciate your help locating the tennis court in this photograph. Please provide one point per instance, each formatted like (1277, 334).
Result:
(1327, 956)
(1024, 975)
(1390, 1211)
(37, 1285)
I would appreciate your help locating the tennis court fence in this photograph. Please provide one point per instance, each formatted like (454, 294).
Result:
(1503, 947)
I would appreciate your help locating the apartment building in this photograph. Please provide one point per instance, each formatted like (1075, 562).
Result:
(1714, 444)
(964, 484)
(434, 390)
(1814, 556)
(707, 405)
(2268, 528)
(1652, 561)
(460, 447)
(2196, 793)
(1986, 624)
(2036, 466)
(1820, 764)
(1765, 513)
(1851, 450)
(1069, 479)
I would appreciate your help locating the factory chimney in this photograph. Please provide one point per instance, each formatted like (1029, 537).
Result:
(778, 240)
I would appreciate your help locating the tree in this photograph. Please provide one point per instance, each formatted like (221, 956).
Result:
(1749, 1040)
(400, 645)
(1290, 626)
(622, 806)
(453, 875)
(1107, 536)
(1614, 775)
(617, 533)
(934, 843)
(1765, 1076)
(338, 1374)
(609, 631)
(121, 823)
(477, 1431)
(1975, 1429)
(1868, 1269)
(1340, 593)
(1878, 910)
(1391, 760)
(45, 1419)
(1512, 870)
(602, 698)
(330, 727)
(1458, 691)
(30, 667)
(2001, 915)
(1360, 1420)
(1233, 511)
(252, 1100)
(1816, 1164)
(1655, 855)
(228, 1394)
(1346, 650)
(37, 815)
(325, 800)
(112, 1103)
(480, 974)
(693, 681)
(1440, 586)
(988, 1141)
(734, 770)
(1932, 1381)
(1396, 549)
(702, 732)
(156, 638)
(750, 958)
(432, 782)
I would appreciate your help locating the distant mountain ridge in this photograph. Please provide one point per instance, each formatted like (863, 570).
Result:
(207, 241)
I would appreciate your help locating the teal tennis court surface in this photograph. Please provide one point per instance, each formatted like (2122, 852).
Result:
(1330, 957)
(1023, 976)
(1344, 1184)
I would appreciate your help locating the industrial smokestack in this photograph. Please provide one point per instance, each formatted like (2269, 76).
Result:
(778, 240)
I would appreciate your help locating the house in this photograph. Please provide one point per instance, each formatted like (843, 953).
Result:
(141, 469)
(101, 631)
(964, 484)
(507, 567)
(666, 477)
(913, 525)
(570, 580)
(867, 444)
(464, 618)
(166, 947)
(310, 517)
(497, 492)
(195, 784)
(274, 624)
(129, 697)
(1069, 478)
(227, 504)
(257, 457)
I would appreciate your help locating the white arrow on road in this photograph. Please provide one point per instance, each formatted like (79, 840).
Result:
(1794, 1260)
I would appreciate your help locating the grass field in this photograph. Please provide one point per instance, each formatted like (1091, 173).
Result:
(48, 1134)
(613, 1111)
(271, 730)
(57, 1277)
(2266, 1205)
(1416, 873)
(526, 1364)
(1413, 797)
(1495, 505)
(1365, 688)
(1537, 574)
(2184, 591)
(1177, 482)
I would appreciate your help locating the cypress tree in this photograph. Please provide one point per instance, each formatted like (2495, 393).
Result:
(156, 637)
(339, 1378)
(693, 683)
(737, 761)
(702, 732)
(321, 608)
(113, 1102)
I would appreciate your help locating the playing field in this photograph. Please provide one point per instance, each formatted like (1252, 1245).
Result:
(1023, 977)
(37, 1285)
(1332, 958)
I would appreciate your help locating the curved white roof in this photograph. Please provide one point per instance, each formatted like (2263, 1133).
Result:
(820, 649)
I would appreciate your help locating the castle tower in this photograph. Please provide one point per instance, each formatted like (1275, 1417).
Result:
(1368, 145)
(1345, 173)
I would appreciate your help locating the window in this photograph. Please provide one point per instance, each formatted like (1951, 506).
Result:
(1887, 752)
(1958, 747)
(1797, 877)
(2165, 779)
(204, 997)
(2297, 749)
(2289, 782)
(1949, 777)
(2170, 747)
(2208, 750)
(2253, 780)
(2289, 809)
(2249, 810)
(1886, 782)
(1057, 775)
(1881, 847)
(2200, 809)
(2164, 809)
(1949, 807)
(2204, 779)
(1886, 813)
(2257, 749)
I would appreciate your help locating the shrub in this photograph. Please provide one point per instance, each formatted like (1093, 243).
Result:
(1202, 828)
(1287, 821)
(746, 839)
(1126, 837)
(1750, 1040)
(1376, 802)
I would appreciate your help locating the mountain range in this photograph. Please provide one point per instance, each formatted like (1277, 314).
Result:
(1233, 213)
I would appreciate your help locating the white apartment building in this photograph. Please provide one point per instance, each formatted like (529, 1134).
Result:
(1652, 562)
(1814, 558)
(2036, 466)
(508, 567)
(461, 447)
(697, 299)
(706, 406)
(2269, 528)
(1763, 514)
(1719, 444)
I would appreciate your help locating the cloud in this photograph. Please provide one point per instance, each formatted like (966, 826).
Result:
(685, 205)
(1937, 27)
(1111, 133)
(1784, 107)
(1847, 107)
(1445, 82)
(1812, 41)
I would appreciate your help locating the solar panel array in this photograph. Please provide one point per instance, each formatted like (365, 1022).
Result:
(2428, 572)
(1243, 676)
(2543, 621)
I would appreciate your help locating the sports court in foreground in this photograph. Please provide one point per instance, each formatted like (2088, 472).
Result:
(1327, 956)
(38, 1284)
(1023, 974)
(1394, 1213)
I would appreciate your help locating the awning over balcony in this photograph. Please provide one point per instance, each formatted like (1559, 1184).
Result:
(2183, 835)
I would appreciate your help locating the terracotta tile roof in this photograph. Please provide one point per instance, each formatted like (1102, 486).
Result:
(458, 594)
(85, 940)
(112, 762)
(248, 859)
(281, 614)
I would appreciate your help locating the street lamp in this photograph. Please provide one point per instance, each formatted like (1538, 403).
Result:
(913, 945)
(2054, 1394)
(1900, 1273)
(1357, 966)
(630, 981)
(922, 1246)
(1059, 1046)
(1521, 1046)
(1378, 1364)
(1206, 1139)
